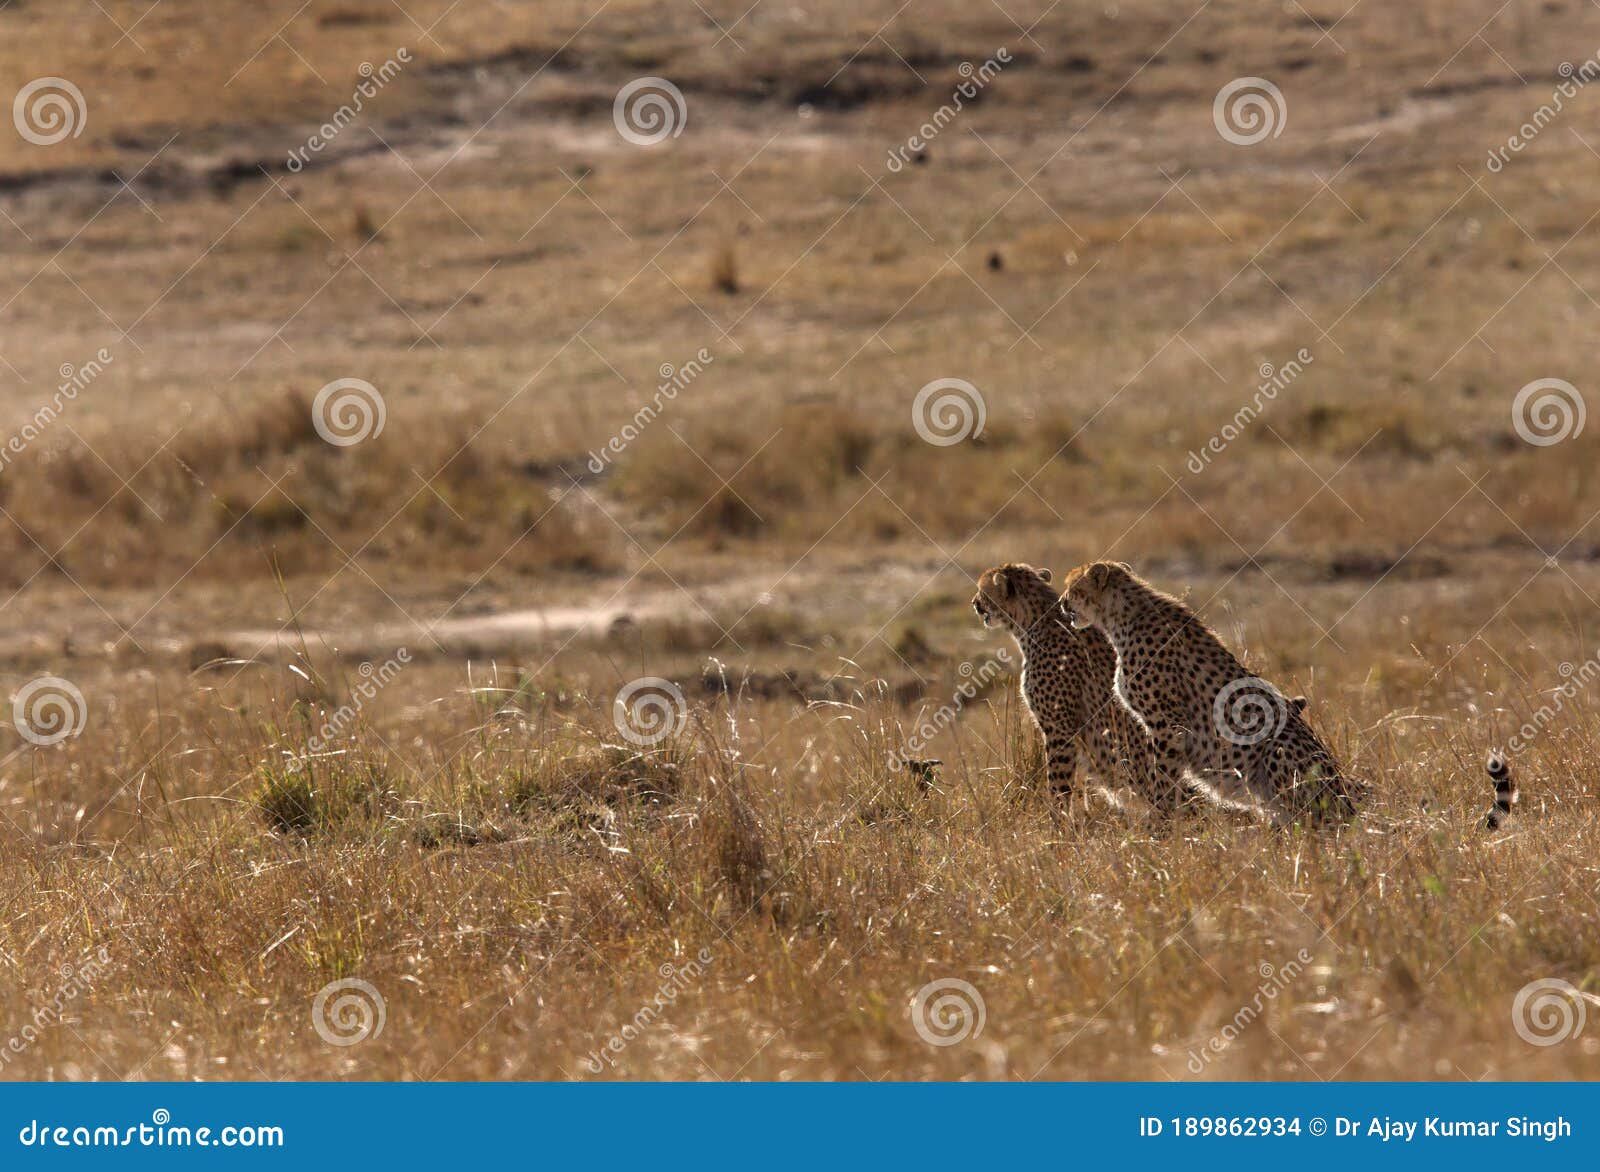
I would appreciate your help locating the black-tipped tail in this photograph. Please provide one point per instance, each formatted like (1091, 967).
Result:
(1505, 790)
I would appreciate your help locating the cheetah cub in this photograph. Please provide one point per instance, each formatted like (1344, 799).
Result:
(1066, 684)
(1237, 736)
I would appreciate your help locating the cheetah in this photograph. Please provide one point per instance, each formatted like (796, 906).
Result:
(1249, 699)
(1236, 736)
(1066, 684)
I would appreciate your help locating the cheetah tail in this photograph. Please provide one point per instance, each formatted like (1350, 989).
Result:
(1505, 790)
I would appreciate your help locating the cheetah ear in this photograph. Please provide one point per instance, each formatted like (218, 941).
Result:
(1100, 575)
(1044, 574)
(1000, 585)
(1297, 704)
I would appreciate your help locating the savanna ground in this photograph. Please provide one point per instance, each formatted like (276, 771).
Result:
(476, 840)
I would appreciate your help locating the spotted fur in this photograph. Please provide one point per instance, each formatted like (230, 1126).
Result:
(1067, 686)
(1182, 685)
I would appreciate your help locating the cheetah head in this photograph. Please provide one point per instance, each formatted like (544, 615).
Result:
(1013, 595)
(1094, 593)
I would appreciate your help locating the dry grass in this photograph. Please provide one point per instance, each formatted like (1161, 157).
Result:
(478, 841)
(267, 487)
(512, 882)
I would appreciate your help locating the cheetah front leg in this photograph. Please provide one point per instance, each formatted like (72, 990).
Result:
(1169, 760)
(1120, 750)
(1061, 764)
